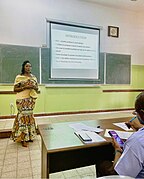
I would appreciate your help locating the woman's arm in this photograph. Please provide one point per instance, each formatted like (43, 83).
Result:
(34, 84)
(18, 88)
(29, 84)
(35, 87)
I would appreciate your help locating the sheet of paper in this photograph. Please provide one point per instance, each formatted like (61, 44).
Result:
(94, 136)
(122, 125)
(122, 134)
(81, 126)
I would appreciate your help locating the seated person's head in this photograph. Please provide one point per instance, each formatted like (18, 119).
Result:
(139, 107)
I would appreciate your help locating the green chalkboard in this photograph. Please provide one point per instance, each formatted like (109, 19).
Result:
(11, 59)
(118, 69)
(115, 70)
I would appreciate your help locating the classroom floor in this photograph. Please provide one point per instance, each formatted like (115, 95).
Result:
(20, 162)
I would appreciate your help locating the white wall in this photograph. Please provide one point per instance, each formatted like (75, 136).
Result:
(23, 23)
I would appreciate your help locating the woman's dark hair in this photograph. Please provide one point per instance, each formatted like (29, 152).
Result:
(23, 65)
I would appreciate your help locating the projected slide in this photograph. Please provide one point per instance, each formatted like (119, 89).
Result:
(74, 52)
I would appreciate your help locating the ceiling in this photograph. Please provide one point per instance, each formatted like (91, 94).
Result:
(132, 5)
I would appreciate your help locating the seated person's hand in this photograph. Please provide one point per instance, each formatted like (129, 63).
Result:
(135, 124)
(115, 144)
(128, 124)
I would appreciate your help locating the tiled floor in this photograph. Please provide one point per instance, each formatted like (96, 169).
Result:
(20, 162)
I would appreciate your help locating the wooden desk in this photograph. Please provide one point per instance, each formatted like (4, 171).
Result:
(63, 150)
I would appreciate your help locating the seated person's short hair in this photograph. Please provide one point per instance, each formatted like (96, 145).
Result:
(139, 103)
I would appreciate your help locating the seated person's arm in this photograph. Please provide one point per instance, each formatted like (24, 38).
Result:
(118, 151)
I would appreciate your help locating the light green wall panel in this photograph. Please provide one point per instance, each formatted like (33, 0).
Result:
(68, 99)
(137, 76)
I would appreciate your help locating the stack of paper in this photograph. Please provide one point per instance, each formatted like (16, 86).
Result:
(81, 126)
(91, 132)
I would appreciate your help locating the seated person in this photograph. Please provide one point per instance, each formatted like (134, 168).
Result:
(130, 160)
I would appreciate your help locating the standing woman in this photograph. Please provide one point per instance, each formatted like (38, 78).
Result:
(26, 87)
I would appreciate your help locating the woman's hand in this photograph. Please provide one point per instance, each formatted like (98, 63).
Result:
(29, 86)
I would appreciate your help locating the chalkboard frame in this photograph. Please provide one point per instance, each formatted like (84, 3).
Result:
(50, 80)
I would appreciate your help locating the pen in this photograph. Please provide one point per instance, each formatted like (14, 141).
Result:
(132, 119)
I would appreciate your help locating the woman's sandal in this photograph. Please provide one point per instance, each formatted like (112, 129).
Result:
(24, 144)
(18, 139)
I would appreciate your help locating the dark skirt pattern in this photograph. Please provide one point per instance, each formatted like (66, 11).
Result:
(24, 127)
